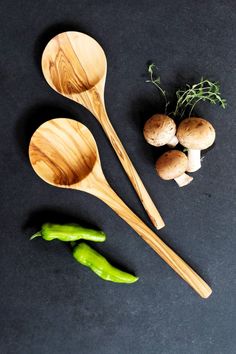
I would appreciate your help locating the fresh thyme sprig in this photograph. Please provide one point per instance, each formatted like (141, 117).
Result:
(156, 81)
(205, 90)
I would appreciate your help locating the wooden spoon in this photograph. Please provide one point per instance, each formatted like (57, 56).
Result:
(75, 66)
(64, 153)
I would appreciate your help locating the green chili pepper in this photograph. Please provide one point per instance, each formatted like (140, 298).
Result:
(87, 256)
(69, 233)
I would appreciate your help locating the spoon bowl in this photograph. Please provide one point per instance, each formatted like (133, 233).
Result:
(67, 159)
(64, 153)
(75, 66)
(68, 75)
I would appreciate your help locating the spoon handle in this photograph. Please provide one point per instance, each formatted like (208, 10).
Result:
(104, 192)
(136, 181)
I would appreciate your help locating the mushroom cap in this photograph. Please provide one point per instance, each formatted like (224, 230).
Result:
(196, 133)
(171, 164)
(159, 130)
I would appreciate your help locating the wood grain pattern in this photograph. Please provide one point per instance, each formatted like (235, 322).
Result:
(64, 153)
(75, 66)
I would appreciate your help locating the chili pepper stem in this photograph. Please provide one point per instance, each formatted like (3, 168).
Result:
(37, 234)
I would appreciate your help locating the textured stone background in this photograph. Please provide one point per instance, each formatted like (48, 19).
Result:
(51, 305)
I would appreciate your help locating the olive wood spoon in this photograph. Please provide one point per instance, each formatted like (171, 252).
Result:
(64, 153)
(75, 66)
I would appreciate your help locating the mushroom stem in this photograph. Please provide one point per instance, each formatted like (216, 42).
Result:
(173, 142)
(194, 160)
(183, 180)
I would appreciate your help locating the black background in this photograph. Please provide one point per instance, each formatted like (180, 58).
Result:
(51, 305)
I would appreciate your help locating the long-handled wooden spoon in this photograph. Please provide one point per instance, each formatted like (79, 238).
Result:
(75, 65)
(64, 153)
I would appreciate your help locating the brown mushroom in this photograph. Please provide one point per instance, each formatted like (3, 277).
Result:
(160, 130)
(195, 134)
(172, 165)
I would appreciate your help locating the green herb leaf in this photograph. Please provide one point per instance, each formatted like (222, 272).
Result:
(205, 90)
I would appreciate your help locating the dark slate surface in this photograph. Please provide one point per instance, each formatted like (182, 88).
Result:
(51, 305)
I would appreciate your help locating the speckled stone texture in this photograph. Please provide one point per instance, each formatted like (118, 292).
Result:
(48, 303)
